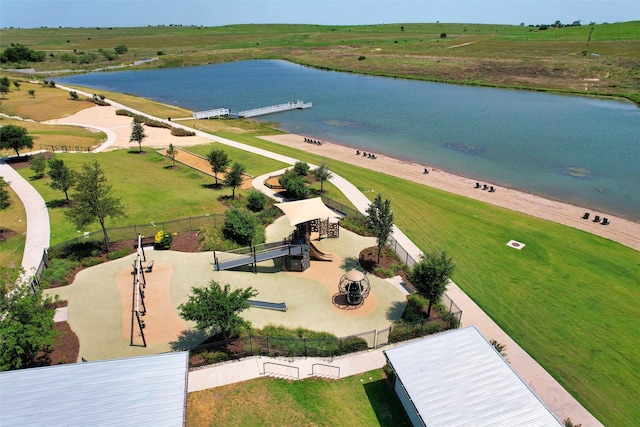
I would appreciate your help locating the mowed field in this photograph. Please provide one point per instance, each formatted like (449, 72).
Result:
(495, 55)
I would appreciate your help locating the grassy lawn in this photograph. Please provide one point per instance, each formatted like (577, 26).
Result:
(492, 55)
(352, 401)
(13, 223)
(567, 298)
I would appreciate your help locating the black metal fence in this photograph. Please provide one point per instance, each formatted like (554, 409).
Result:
(328, 348)
(130, 232)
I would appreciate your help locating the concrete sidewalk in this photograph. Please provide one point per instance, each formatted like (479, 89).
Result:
(256, 367)
(37, 218)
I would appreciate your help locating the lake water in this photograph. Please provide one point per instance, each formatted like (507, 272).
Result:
(579, 150)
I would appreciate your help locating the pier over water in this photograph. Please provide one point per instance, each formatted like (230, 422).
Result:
(222, 112)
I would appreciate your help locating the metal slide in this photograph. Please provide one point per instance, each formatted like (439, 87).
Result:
(279, 306)
(259, 256)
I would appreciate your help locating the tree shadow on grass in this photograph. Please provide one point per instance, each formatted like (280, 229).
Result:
(58, 203)
(213, 186)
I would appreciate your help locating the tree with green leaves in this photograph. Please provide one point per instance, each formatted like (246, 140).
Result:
(239, 226)
(73, 95)
(32, 92)
(217, 308)
(94, 200)
(430, 276)
(233, 178)
(17, 84)
(38, 165)
(294, 185)
(5, 197)
(322, 174)
(218, 160)
(15, 138)
(380, 221)
(62, 178)
(27, 325)
(301, 168)
(137, 134)
(172, 152)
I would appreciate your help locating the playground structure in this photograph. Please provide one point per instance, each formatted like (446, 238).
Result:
(354, 286)
(297, 248)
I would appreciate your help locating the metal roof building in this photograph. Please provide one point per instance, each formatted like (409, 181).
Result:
(457, 378)
(140, 391)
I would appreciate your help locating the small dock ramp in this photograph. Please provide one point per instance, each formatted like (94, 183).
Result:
(253, 256)
(293, 105)
(278, 306)
(208, 114)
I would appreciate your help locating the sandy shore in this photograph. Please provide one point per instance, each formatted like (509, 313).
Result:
(619, 230)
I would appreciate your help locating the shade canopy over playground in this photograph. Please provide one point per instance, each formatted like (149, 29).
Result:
(306, 210)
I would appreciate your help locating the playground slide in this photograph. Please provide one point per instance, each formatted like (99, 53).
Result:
(318, 255)
(279, 306)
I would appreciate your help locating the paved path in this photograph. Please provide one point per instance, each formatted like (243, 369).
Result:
(559, 401)
(37, 218)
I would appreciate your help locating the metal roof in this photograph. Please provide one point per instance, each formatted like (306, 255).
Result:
(457, 378)
(140, 391)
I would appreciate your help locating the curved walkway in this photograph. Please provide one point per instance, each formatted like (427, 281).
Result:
(559, 401)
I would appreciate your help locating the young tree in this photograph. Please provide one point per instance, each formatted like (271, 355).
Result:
(301, 169)
(430, 276)
(239, 226)
(73, 95)
(4, 87)
(171, 152)
(218, 160)
(38, 165)
(62, 178)
(94, 199)
(5, 198)
(17, 84)
(217, 308)
(294, 185)
(32, 92)
(137, 134)
(380, 221)
(233, 178)
(14, 137)
(322, 174)
(27, 325)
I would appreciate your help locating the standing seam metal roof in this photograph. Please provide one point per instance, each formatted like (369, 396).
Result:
(457, 378)
(140, 391)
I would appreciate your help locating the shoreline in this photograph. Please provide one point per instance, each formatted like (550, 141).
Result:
(620, 230)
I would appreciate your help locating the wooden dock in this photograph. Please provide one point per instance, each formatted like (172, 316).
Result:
(225, 112)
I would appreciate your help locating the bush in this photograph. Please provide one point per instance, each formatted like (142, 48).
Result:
(121, 49)
(256, 201)
(408, 332)
(59, 272)
(239, 226)
(76, 251)
(162, 240)
(118, 253)
(215, 357)
(91, 261)
(294, 185)
(267, 216)
(352, 345)
(415, 309)
(181, 132)
(301, 168)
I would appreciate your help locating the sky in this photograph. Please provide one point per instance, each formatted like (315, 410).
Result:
(135, 13)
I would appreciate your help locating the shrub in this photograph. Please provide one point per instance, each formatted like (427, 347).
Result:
(215, 357)
(362, 58)
(121, 49)
(239, 226)
(256, 201)
(162, 240)
(118, 253)
(181, 132)
(352, 345)
(415, 309)
(267, 216)
(58, 272)
(91, 261)
(301, 168)
(77, 250)
(294, 185)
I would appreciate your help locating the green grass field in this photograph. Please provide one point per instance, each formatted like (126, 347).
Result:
(13, 220)
(494, 55)
(367, 399)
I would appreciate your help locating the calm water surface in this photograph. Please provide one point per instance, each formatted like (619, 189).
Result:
(579, 150)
